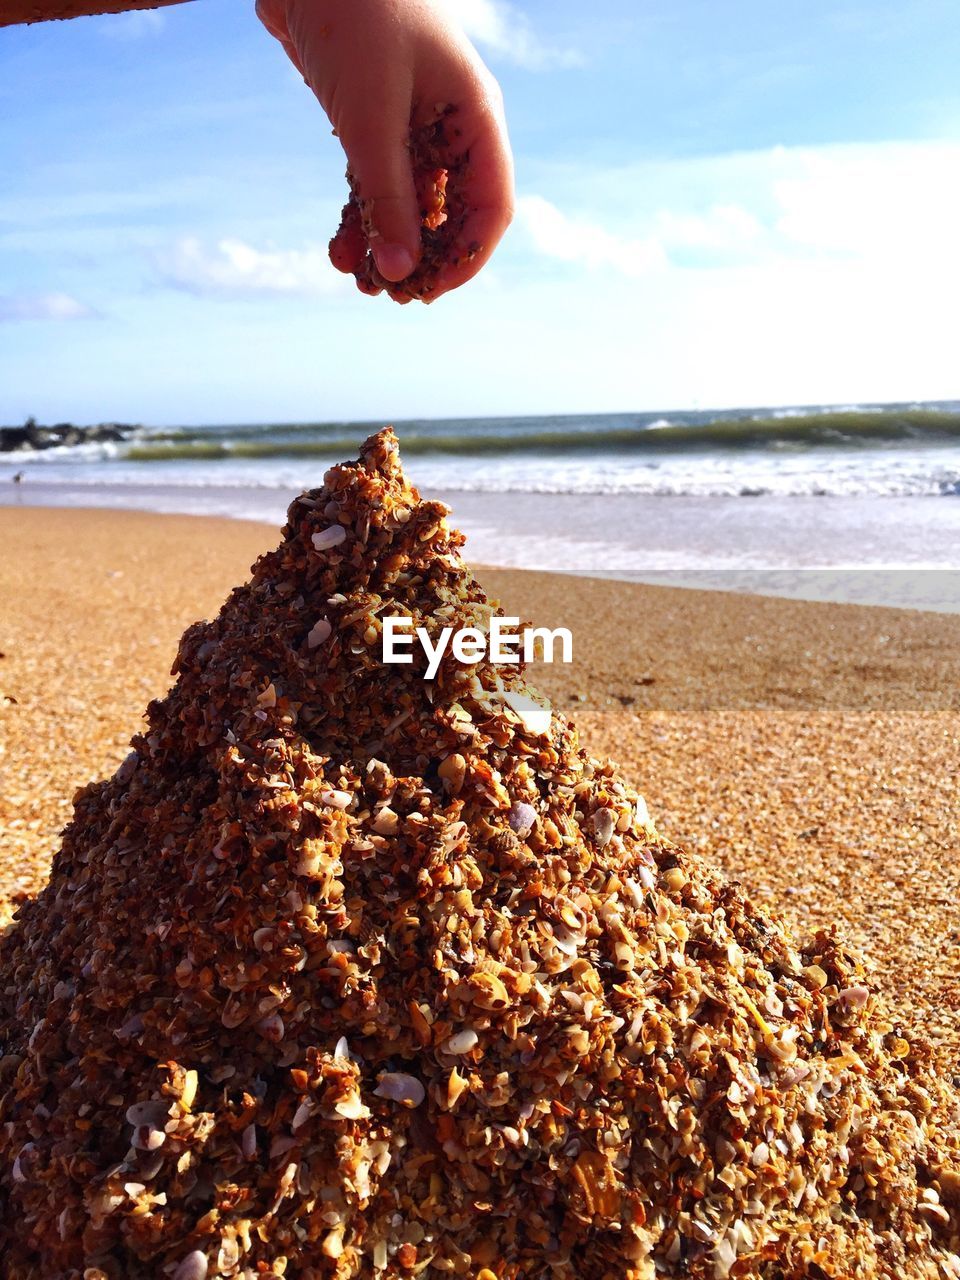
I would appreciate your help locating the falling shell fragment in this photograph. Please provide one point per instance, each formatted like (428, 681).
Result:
(319, 633)
(193, 1267)
(462, 1042)
(604, 824)
(522, 818)
(327, 539)
(402, 1088)
(534, 716)
(487, 991)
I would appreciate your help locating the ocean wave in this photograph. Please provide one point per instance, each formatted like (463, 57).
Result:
(851, 452)
(911, 487)
(895, 475)
(821, 430)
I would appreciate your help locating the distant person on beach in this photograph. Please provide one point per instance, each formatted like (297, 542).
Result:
(379, 69)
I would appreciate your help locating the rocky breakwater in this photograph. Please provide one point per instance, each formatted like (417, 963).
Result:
(32, 437)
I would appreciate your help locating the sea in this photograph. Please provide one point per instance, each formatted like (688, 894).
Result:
(857, 502)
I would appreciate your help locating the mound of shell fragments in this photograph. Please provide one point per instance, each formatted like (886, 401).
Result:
(350, 974)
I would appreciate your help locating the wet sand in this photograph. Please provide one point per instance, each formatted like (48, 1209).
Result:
(810, 749)
(895, 551)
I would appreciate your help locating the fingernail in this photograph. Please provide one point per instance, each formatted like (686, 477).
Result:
(394, 262)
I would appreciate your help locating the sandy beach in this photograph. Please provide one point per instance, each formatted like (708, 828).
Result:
(810, 749)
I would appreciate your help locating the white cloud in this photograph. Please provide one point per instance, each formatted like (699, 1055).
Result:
(889, 205)
(233, 268)
(554, 234)
(133, 26)
(724, 229)
(782, 332)
(504, 29)
(895, 199)
(789, 275)
(722, 234)
(15, 308)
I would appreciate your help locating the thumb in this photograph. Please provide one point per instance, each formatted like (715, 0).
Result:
(272, 14)
(378, 160)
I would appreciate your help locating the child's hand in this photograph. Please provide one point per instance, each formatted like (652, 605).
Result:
(380, 69)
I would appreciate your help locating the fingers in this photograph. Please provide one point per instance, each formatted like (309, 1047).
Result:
(368, 64)
(274, 17)
(363, 78)
(378, 157)
(488, 194)
(481, 235)
(349, 246)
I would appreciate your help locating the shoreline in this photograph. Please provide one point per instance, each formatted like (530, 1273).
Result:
(890, 553)
(808, 749)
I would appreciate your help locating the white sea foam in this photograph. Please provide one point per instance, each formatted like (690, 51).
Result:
(923, 471)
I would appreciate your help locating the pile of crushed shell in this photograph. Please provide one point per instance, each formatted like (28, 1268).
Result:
(350, 974)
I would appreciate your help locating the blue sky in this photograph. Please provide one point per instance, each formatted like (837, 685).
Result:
(719, 204)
